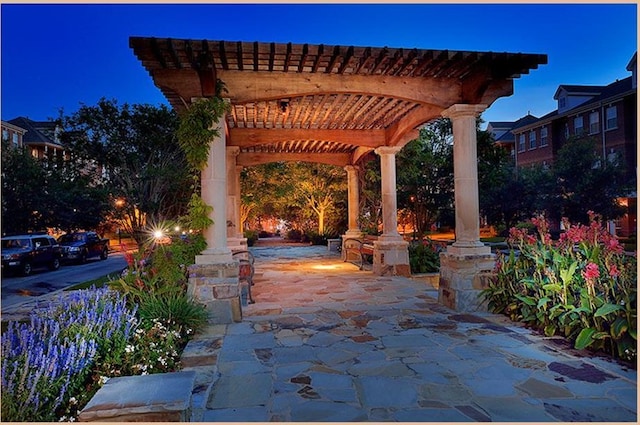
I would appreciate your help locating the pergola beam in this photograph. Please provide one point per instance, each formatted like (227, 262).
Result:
(248, 137)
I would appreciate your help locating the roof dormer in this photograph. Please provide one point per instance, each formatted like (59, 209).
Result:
(633, 67)
(570, 96)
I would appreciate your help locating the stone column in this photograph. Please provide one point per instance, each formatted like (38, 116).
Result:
(213, 279)
(354, 209)
(391, 255)
(466, 264)
(235, 239)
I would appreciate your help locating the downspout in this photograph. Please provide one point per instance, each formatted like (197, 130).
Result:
(604, 144)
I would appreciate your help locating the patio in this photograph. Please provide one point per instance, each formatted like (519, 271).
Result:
(328, 342)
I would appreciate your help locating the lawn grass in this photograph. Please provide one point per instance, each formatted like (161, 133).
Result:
(98, 282)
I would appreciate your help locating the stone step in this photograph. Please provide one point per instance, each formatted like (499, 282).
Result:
(163, 397)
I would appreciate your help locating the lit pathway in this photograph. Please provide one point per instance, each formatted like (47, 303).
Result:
(327, 342)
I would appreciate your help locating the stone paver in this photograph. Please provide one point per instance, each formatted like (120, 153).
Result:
(326, 342)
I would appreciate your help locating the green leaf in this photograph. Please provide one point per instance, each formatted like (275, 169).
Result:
(550, 329)
(567, 274)
(585, 338)
(600, 335)
(553, 287)
(542, 302)
(526, 300)
(619, 327)
(607, 309)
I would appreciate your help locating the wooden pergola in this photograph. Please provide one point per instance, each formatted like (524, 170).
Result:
(334, 105)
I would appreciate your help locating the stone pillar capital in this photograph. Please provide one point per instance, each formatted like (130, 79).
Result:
(233, 150)
(351, 168)
(463, 110)
(387, 150)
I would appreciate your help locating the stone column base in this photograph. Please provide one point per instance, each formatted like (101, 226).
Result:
(217, 286)
(463, 277)
(237, 244)
(391, 258)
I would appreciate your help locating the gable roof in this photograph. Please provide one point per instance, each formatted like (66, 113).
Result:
(38, 132)
(508, 137)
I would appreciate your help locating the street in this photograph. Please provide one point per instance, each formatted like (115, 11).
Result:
(17, 289)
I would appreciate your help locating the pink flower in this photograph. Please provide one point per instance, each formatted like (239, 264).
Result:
(591, 271)
(613, 271)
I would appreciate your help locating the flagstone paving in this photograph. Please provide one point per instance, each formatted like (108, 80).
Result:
(328, 342)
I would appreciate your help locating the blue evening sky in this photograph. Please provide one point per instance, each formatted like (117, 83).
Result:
(57, 57)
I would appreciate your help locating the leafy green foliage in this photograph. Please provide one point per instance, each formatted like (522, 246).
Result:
(135, 149)
(196, 129)
(582, 286)
(424, 257)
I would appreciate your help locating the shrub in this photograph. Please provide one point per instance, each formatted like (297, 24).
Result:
(582, 286)
(252, 237)
(424, 257)
(294, 235)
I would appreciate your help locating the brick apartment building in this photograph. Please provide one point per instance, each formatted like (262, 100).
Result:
(606, 113)
(41, 137)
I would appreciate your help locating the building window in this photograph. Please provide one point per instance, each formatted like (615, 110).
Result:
(594, 123)
(566, 131)
(5, 135)
(15, 139)
(562, 102)
(34, 153)
(543, 137)
(578, 125)
(532, 140)
(612, 117)
(521, 143)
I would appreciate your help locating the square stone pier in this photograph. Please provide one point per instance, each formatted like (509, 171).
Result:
(217, 286)
(464, 273)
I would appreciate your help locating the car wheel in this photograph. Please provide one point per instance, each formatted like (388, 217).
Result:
(55, 264)
(26, 268)
(83, 257)
(104, 254)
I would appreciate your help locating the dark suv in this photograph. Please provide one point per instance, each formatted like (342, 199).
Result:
(25, 252)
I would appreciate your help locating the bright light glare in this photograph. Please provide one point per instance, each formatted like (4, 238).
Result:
(158, 234)
(325, 267)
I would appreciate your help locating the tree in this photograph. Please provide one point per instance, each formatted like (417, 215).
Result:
(319, 187)
(425, 175)
(585, 182)
(133, 150)
(23, 191)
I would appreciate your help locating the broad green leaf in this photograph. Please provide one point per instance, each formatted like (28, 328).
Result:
(618, 327)
(607, 309)
(550, 329)
(526, 300)
(543, 302)
(554, 287)
(585, 338)
(600, 335)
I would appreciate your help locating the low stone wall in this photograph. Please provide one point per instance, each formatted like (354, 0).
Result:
(462, 278)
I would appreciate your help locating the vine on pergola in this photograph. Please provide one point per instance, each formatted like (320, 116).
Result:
(195, 132)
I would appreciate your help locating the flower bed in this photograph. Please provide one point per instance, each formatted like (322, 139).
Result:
(54, 364)
(582, 286)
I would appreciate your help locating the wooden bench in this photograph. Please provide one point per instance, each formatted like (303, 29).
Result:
(361, 249)
(246, 272)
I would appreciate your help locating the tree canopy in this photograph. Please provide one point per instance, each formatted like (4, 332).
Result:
(133, 150)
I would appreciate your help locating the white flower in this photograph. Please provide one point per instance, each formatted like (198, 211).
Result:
(103, 380)
(73, 400)
(129, 348)
(62, 419)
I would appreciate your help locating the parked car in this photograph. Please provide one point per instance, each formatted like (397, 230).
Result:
(80, 246)
(23, 253)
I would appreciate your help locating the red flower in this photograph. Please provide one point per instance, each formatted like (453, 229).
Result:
(613, 271)
(591, 271)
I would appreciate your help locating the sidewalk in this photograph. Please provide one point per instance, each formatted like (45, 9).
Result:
(327, 342)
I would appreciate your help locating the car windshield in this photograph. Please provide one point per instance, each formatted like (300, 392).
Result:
(15, 243)
(77, 237)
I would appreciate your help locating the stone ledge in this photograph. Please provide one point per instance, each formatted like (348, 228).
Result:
(162, 397)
